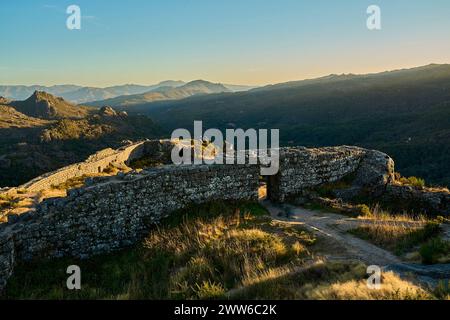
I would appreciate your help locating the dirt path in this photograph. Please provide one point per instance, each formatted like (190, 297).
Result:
(334, 227)
(344, 246)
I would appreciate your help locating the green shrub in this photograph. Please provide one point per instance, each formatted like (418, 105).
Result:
(430, 230)
(433, 250)
(146, 162)
(364, 210)
(209, 290)
(442, 291)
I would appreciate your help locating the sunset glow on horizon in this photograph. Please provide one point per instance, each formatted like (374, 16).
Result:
(251, 42)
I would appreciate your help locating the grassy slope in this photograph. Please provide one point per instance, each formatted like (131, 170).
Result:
(203, 253)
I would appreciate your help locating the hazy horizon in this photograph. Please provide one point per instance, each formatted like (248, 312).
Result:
(253, 43)
(219, 82)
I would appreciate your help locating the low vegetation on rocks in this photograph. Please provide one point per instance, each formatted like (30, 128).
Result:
(412, 181)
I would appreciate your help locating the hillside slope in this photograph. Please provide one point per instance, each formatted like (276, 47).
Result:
(54, 137)
(46, 106)
(405, 113)
(11, 118)
(218, 251)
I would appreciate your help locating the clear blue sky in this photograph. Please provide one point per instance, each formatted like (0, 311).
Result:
(230, 41)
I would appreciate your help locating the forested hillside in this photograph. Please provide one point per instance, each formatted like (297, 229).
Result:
(405, 113)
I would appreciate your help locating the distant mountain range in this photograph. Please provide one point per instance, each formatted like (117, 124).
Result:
(80, 95)
(405, 113)
(198, 87)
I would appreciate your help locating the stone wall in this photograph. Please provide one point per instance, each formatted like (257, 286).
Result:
(302, 168)
(94, 164)
(158, 150)
(114, 212)
(7, 258)
(109, 216)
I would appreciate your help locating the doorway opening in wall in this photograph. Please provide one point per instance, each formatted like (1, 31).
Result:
(263, 188)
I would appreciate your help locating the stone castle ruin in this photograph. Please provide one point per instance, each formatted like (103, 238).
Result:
(113, 212)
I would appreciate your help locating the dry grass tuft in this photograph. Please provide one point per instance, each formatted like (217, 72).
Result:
(397, 236)
(378, 214)
(331, 281)
(392, 288)
(225, 252)
(15, 202)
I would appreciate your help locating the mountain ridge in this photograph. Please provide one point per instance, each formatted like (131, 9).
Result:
(404, 113)
(193, 88)
(46, 106)
(80, 94)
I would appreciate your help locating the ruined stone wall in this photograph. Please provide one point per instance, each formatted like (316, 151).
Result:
(7, 258)
(94, 164)
(159, 150)
(114, 212)
(302, 168)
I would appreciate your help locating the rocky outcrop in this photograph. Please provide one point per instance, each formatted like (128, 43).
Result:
(46, 106)
(422, 200)
(107, 111)
(375, 172)
(3, 100)
(302, 169)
